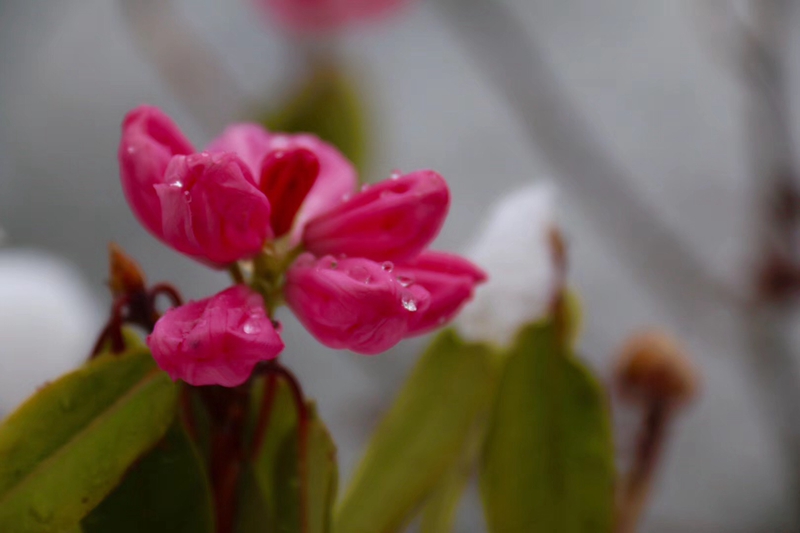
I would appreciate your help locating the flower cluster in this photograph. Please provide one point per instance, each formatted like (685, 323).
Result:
(353, 266)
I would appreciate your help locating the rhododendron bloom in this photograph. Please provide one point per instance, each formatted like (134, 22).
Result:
(215, 341)
(353, 303)
(352, 266)
(326, 15)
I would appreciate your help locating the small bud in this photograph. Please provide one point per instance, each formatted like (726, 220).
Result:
(652, 367)
(125, 275)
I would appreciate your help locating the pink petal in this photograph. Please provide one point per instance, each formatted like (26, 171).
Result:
(354, 304)
(393, 220)
(249, 141)
(215, 341)
(450, 280)
(286, 178)
(337, 177)
(212, 210)
(149, 140)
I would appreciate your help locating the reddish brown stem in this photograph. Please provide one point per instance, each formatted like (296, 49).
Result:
(636, 485)
(228, 411)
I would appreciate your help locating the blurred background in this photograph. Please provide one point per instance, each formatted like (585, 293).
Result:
(662, 125)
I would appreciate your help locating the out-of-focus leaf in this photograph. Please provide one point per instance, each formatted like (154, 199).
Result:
(70, 444)
(252, 514)
(165, 491)
(296, 467)
(548, 459)
(421, 436)
(439, 512)
(328, 105)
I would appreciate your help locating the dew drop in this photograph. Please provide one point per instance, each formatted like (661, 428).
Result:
(251, 328)
(409, 303)
(188, 196)
(395, 175)
(131, 150)
(365, 187)
(405, 281)
(387, 266)
(177, 184)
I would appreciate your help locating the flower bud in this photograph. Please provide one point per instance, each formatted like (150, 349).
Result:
(448, 278)
(149, 141)
(215, 341)
(125, 276)
(354, 303)
(653, 368)
(211, 208)
(392, 220)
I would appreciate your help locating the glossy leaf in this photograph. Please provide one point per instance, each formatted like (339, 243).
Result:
(328, 105)
(423, 433)
(548, 459)
(296, 465)
(70, 444)
(166, 491)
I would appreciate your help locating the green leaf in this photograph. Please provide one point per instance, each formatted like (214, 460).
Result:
(422, 434)
(165, 491)
(548, 459)
(69, 445)
(439, 512)
(296, 465)
(328, 105)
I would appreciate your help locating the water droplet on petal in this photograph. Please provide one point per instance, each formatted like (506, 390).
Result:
(405, 281)
(365, 187)
(395, 175)
(409, 303)
(387, 266)
(177, 184)
(131, 150)
(251, 327)
(333, 265)
(187, 196)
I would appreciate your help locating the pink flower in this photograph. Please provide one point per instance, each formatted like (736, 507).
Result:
(353, 303)
(326, 15)
(251, 186)
(450, 280)
(393, 220)
(215, 341)
(205, 206)
(354, 296)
